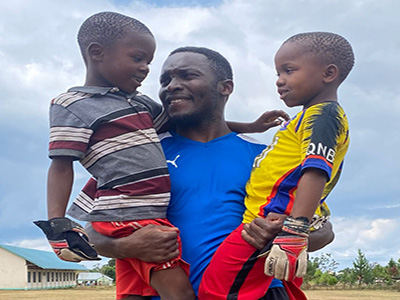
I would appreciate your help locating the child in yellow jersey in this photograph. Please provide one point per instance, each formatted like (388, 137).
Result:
(292, 176)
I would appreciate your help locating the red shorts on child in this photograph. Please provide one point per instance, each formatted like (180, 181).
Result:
(235, 272)
(133, 275)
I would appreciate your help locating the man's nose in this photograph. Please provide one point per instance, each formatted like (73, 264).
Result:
(174, 84)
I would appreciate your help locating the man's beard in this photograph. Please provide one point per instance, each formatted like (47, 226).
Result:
(203, 115)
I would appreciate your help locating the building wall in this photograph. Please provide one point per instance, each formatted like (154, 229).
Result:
(12, 271)
(44, 279)
(17, 273)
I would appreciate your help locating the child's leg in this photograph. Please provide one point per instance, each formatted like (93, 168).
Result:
(172, 284)
(235, 272)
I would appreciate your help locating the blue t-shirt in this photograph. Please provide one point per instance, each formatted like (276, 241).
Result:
(207, 192)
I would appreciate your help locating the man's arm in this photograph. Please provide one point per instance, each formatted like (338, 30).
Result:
(266, 121)
(321, 237)
(152, 243)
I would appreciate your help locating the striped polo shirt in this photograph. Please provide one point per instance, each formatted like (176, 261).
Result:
(114, 137)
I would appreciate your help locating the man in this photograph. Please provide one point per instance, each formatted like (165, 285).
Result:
(209, 166)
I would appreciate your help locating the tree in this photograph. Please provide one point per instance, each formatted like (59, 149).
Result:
(362, 268)
(312, 267)
(393, 268)
(347, 276)
(325, 278)
(320, 270)
(381, 274)
(109, 269)
(326, 263)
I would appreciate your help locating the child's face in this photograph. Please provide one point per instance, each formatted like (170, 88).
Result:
(300, 76)
(125, 63)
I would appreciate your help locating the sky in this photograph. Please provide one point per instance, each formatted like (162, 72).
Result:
(39, 59)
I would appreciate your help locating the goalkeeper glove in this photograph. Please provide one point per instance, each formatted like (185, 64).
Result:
(68, 239)
(287, 258)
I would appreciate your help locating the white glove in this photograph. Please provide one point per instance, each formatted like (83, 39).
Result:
(287, 258)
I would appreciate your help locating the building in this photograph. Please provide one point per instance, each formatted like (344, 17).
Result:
(22, 268)
(94, 278)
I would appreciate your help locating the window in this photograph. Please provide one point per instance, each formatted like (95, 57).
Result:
(40, 277)
(56, 276)
(52, 276)
(34, 276)
(48, 276)
(29, 277)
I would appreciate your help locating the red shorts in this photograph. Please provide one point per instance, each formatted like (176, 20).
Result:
(235, 272)
(133, 275)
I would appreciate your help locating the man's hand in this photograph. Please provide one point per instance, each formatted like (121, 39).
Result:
(321, 237)
(287, 258)
(68, 239)
(152, 243)
(269, 119)
(262, 230)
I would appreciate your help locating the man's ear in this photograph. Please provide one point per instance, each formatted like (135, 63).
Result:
(225, 87)
(95, 51)
(331, 73)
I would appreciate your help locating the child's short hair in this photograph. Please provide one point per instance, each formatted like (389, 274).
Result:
(105, 28)
(331, 47)
(218, 63)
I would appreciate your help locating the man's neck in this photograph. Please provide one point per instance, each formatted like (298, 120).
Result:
(203, 132)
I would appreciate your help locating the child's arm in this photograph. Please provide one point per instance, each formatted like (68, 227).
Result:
(59, 185)
(67, 238)
(267, 120)
(288, 256)
(309, 192)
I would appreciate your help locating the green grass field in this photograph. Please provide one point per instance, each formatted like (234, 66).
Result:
(104, 293)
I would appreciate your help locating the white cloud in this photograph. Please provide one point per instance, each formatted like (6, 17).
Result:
(379, 229)
(377, 238)
(37, 244)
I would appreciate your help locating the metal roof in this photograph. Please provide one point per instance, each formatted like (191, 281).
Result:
(93, 276)
(43, 259)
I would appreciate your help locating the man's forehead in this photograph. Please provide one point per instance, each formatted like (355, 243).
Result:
(186, 60)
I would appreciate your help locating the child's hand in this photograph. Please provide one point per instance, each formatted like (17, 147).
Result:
(68, 239)
(269, 119)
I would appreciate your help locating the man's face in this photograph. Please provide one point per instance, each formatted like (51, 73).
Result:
(125, 63)
(189, 89)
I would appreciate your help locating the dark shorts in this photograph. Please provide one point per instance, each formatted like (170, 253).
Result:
(277, 293)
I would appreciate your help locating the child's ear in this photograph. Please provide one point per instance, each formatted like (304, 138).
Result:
(95, 51)
(226, 87)
(331, 73)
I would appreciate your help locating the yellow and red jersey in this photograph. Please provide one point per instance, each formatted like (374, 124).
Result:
(317, 137)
